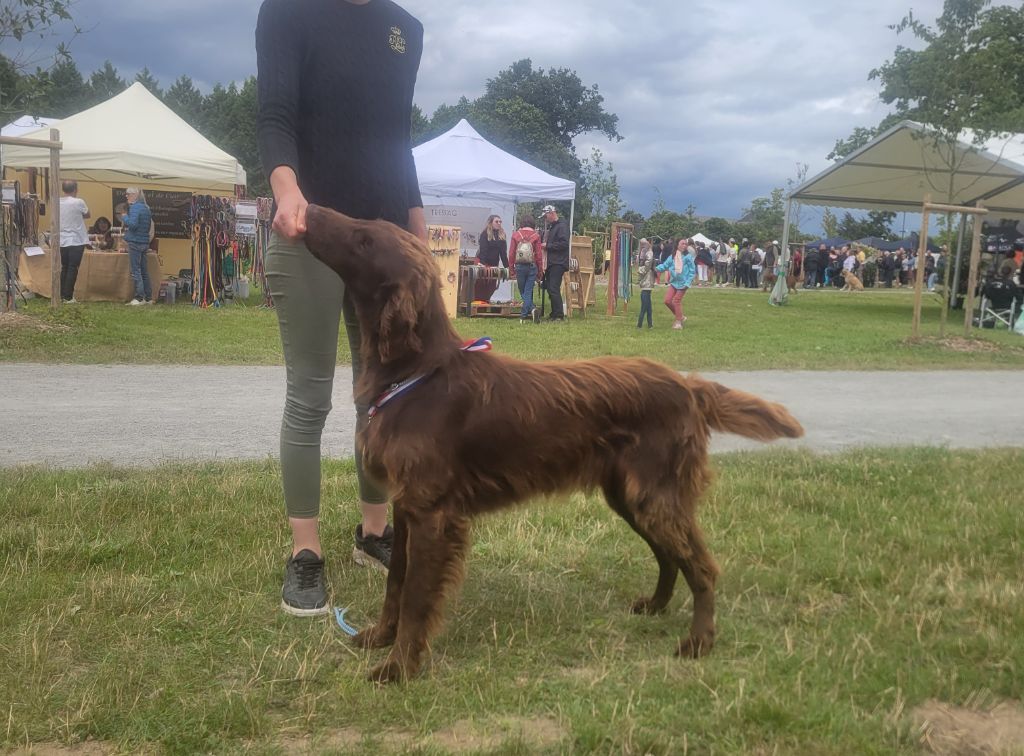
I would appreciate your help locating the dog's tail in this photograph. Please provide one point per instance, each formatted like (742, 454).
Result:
(744, 414)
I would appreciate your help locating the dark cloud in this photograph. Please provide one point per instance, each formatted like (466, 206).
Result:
(718, 102)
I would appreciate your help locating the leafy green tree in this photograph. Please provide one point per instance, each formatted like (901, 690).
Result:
(20, 91)
(569, 107)
(718, 228)
(602, 187)
(877, 223)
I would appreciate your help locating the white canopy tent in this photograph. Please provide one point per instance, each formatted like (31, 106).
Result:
(463, 177)
(895, 170)
(26, 124)
(133, 134)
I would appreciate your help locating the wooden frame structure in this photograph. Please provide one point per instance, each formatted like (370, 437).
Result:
(54, 145)
(614, 264)
(972, 277)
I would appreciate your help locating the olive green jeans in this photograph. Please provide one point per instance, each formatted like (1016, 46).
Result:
(310, 301)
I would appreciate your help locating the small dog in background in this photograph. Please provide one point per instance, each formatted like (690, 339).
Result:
(852, 282)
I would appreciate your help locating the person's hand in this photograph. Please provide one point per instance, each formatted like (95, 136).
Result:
(418, 223)
(290, 219)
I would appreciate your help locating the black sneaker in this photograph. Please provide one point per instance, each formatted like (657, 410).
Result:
(305, 592)
(374, 551)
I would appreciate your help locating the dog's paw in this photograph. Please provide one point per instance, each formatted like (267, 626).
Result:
(646, 605)
(388, 671)
(375, 636)
(695, 646)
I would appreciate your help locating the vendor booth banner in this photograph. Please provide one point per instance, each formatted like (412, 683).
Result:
(170, 211)
(471, 220)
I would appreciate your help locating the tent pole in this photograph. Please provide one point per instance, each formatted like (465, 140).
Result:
(780, 291)
(959, 257)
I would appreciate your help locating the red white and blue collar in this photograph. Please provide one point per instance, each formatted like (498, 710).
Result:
(483, 344)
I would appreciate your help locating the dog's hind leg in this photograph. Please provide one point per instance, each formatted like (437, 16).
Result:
(383, 632)
(700, 571)
(436, 552)
(668, 571)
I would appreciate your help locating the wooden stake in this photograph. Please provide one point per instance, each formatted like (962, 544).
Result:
(55, 182)
(972, 275)
(922, 250)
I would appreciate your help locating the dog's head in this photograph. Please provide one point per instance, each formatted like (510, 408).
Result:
(390, 276)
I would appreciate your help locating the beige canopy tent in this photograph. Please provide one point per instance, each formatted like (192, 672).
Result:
(133, 137)
(897, 169)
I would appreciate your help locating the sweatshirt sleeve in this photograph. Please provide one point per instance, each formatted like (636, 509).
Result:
(279, 54)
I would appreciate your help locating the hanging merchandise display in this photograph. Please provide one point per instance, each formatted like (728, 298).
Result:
(214, 257)
(264, 222)
(19, 228)
(625, 245)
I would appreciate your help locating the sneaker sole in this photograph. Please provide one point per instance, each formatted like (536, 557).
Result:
(297, 612)
(365, 560)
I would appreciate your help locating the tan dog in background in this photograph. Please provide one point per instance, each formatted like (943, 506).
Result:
(852, 282)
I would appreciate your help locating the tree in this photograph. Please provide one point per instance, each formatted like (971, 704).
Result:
(185, 99)
(829, 224)
(764, 219)
(106, 83)
(19, 20)
(877, 223)
(569, 107)
(145, 78)
(63, 90)
(602, 188)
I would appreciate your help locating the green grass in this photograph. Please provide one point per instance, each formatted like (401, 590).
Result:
(139, 609)
(727, 330)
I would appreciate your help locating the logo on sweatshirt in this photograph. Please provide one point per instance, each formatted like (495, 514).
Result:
(396, 40)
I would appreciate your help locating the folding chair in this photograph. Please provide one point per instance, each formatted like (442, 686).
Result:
(999, 304)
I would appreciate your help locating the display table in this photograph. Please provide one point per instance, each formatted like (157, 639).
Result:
(102, 276)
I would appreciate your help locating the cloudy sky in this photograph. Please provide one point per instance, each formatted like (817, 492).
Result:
(718, 101)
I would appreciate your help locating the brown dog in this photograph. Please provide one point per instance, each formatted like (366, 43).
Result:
(443, 448)
(852, 282)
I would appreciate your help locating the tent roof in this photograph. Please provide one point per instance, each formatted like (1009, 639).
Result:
(133, 135)
(25, 124)
(897, 168)
(461, 163)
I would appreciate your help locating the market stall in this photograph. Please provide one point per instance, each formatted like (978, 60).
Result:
(133, 139)
(463, 179)
(103, 276)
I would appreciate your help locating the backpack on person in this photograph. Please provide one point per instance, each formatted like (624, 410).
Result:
(524, 252)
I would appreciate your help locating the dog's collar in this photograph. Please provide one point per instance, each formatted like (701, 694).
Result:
(483, 344)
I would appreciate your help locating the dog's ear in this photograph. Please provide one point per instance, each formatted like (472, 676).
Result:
(398, 321)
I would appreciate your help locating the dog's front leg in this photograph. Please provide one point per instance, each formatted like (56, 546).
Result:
(383, 633)
(437, 545)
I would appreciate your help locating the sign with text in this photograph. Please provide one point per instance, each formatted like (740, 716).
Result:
(170, 211)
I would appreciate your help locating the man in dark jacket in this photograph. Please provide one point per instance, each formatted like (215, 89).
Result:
(810, 269)
(556, 250)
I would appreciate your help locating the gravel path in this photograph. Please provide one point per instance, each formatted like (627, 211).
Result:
(76, 415)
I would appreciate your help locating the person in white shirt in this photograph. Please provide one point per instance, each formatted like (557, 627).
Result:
(73, 238)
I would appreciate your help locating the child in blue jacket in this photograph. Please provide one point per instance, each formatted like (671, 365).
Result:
(681, 268)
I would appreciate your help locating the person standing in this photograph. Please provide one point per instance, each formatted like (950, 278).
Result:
(645, 279)
(810, 268)
(335, 84)
(528, 256)
(556, 252)
(681, 269)
(137, 223)
(721, 265)
(73, 238)
(493, 249)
